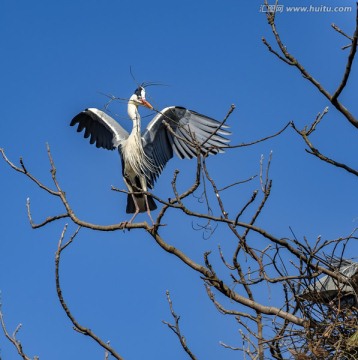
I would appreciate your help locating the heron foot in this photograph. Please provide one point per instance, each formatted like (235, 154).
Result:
(123, 224)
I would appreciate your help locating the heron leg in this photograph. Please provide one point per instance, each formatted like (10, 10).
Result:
(124, 223)
(148, 210)
(136, 209)
(143, 182)
(131, 190)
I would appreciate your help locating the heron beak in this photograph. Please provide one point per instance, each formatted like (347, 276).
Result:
(146, 104)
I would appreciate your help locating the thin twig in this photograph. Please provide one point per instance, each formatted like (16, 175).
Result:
(232, 108)
(225, 311)
(319, 117)
(176, 329)
(350, 60)
(12, 338)
(259, 140)
(335, 27)
(24, 171)
(251, 200)
(237, 183)
(48, 219)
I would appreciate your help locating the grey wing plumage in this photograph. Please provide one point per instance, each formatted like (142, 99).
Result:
(103, 129)
(176, 129)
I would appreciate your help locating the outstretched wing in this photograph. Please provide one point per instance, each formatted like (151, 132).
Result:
(180, 130)
(104, 130)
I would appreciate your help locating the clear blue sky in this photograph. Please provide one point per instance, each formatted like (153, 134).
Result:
(57, 59)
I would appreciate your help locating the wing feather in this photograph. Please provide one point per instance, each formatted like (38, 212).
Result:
(103, 130)
(160, 142)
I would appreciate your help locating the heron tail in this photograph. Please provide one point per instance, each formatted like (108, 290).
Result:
(140, 200)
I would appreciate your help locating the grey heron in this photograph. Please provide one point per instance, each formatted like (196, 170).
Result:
(327, 289)
(145, 154)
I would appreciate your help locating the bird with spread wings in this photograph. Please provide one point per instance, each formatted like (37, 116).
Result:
(144, 154)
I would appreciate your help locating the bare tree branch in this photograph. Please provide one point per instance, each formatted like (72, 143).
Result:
(289, 59)
(349, 63)
(222, 287)
(259, 140)
(79, 328)
(176, 329)
(314, 151)
(24, 171)
(12, 338)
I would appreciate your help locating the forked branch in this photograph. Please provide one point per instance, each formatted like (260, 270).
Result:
(78, 327)
(315, 152)
(12, 338)
(284, 55)
(176, 328)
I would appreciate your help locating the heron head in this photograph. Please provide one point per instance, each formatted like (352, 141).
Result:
(138, 98)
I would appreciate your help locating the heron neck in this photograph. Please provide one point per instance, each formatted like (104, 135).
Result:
(134, 115)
